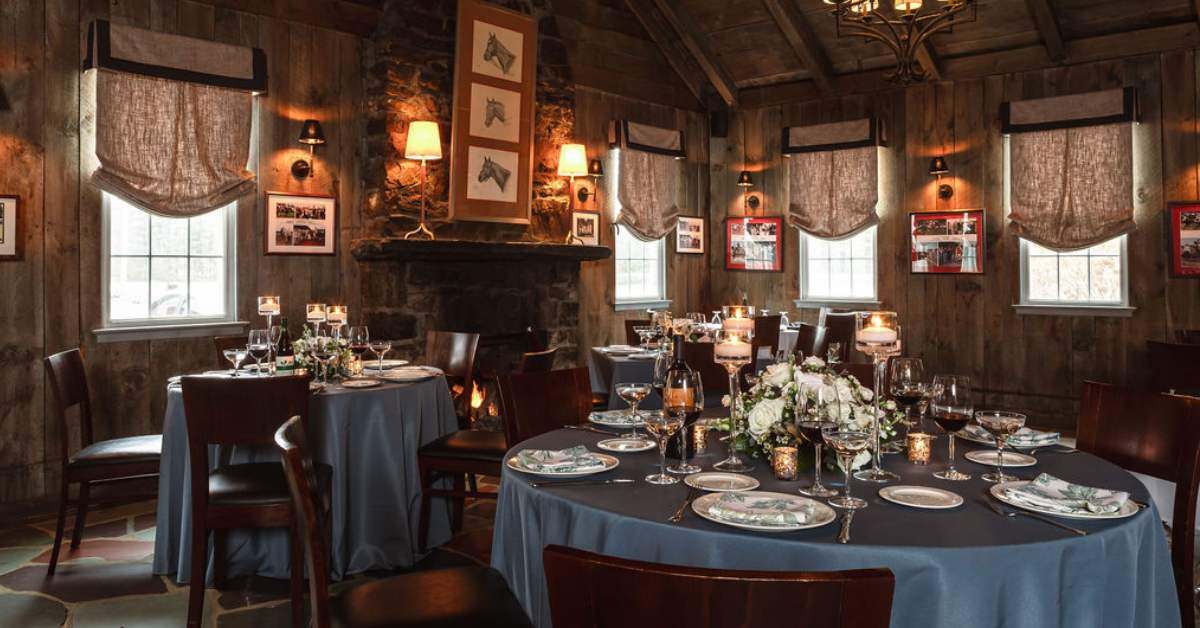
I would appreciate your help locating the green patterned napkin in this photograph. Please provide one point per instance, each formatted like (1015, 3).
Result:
(1049, 492)
(574, 460)
(615, 417)
(761, 511)
(1024, 437)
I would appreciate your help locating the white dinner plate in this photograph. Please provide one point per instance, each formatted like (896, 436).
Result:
(643, 355)
(921, 497)
(610, 463)
(373, 365)
(620, 350)
(992, 442)
(360, 383)
(718, 482)
(410, 373)
(822, 514)
(989, 457)
(602, 418)
(626, 445)
(1129, 509)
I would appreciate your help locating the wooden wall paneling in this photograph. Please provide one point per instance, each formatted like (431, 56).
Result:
(892, 233)
(1001, 286)
(318, 101)
(969, 300)
(195, 20)
(274, 271)
(1181, 157)
(351, 128)
(920, 112)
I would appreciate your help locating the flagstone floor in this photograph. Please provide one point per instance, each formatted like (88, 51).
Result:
(107, 581)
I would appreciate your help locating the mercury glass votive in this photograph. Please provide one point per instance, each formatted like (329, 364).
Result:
(784, 461)
(700, 438)
(920, 447)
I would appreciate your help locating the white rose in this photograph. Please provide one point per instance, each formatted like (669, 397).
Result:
(813, 362)
(765, 415)
(809, 381)
(777, 374)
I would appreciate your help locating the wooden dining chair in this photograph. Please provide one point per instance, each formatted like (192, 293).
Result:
(463, 596)
(766, 333)
(538, 361)
(1153, 434)
(536, 339)
(97, 462)
(245, 411)
(221, 343)
(699, 356)
(631, 337)
(589, 590)
(1174, 367)
(839, 327)
(1187, 336)
(454, 353)
(536, 403)
(811, 340)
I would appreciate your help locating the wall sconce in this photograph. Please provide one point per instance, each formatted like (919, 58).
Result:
(424, 143)
(749, 201)
(573, 162)
(595, 171)
(937, 168)
(311, 134)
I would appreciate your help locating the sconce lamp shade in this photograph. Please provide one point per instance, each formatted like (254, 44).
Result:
(938, 166)
(424, 141)
(744, 179)
(311, 133)
(572, 160)
(596, 168)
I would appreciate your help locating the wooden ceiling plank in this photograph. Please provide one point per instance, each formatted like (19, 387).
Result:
(1047, 27)
(804, 43)
(928, 61)
(659, 35)
(690, 35)
(1196, 9)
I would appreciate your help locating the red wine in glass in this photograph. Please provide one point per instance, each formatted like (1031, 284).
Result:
(812, 431)
(951, 421)
(359, 349)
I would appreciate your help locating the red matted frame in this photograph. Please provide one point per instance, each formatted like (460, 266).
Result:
(754, 244)
(14, 227)
(944, 243)
(1183, 237)
(330, 223)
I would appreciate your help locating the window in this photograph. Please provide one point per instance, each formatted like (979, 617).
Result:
(1088, 277)
(838, 270)
(640, 268)
(167, 271)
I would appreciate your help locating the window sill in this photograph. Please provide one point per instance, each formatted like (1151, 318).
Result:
(1114, 311)
(649, 304)
(166, 332)
(835, 303)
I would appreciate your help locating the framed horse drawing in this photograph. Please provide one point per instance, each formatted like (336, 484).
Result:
(491, 159)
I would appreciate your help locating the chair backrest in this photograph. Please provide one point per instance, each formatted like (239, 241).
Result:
(766, 332)
(302, 482)
(631, 337)
(221, 343)
(1153, 434)
(839, 327)
(1174, 366)
(538, 361)
(811, 340)
(68, 380)
(591, 590)
(536, 403)
(699, 356)
(1188, 336)
(536, 339)
(454, 353)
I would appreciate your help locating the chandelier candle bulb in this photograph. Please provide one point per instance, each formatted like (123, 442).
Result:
(919, 447)
(784, 462)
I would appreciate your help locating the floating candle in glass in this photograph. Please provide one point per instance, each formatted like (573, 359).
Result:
(733, 346)
(738, 318)
(336, 315)
(315, 312)
(268, 306)
(919, 447)
(784, 463)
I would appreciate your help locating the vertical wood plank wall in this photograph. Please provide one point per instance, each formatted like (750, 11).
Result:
(967, 324)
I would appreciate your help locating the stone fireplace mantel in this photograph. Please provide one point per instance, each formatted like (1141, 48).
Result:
(396, 249)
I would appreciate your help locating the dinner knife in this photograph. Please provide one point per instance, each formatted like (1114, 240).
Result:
(844, 534)
(582, 482)
(586, 428)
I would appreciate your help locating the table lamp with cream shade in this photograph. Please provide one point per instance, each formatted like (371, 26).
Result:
(573, 162)
(423, 144)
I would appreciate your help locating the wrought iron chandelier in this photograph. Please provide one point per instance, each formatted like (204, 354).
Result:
(901, 25)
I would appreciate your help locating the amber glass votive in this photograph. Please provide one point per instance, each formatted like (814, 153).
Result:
(919, 447)
(700, 438)
(784, 462)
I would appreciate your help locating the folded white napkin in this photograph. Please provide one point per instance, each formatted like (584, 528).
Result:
(572, 460)
(1049, 492)
(1024, 437)
(614, 417)
(761, 511)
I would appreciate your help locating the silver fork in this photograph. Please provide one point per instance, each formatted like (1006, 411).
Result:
(693, 493)
(1054, 449)
(1020, 513)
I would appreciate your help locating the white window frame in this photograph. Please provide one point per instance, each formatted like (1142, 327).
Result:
(161, 328)
(810, 301)
(643, 302)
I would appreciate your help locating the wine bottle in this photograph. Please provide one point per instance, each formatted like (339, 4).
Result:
(285, 357)
(680, 396)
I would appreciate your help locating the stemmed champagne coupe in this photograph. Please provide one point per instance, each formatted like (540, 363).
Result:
(908, 386)
(323, 350)
(828, 412)
(685, 390)
(1000, 425)
(847, 443)
(633, 394)
(663, 425)
(380, 348)
(360, 341)
(259, 345)
(952, 409)
(235, 357)
(645, 333)
(734, 350)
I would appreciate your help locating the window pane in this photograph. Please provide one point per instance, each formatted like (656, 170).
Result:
(842, 269)
(818, 277)
(1073, 278)
(864, 278)
(1110, 247)
(208, 233)
(639, 268)
(1043, 278)
(1106, 278)
(1092, 275)
(839, 278)
(207, 288)
(1037, 249)
(169, 236)
(129, 229)
(129, 288)
(168, 287)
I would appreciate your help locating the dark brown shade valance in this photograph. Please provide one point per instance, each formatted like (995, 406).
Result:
(833, 176)
(648, 173)
(135, 50)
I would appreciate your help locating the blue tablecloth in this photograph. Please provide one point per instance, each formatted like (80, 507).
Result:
(370, 438)
(957, 568)
(607, 370)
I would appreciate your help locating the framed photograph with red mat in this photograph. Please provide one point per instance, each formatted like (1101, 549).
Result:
(754, 244)
(946, 243)
(1183, 235)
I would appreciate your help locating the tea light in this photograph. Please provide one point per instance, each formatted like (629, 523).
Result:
(738, 318)
(880, 329)
(336, 315)
(732, 347)
(315, 312)
(268, 306)
(919, 447)
(784, 462)
(700, 438)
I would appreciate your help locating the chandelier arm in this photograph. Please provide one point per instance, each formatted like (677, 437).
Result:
(877, 36)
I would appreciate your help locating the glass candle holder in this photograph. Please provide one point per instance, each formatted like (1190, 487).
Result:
(738, 318)
(877, 333)
(336, 315)
(268, 306)
(315, 312)
(700, 438)
(784, 462)
(920, 447)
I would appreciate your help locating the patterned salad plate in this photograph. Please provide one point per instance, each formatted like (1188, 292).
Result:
(821, 514)
(615, 418)
(1000, 492)
(719, 482)
(610, 463)
(989, 457)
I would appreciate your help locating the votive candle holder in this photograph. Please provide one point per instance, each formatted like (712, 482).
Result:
(784, 462)
(920, 446)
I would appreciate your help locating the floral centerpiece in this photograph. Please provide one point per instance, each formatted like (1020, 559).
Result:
(786, 393)
(337, 366)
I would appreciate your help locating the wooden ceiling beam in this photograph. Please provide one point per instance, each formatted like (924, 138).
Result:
(675, 57)
(691, 35)
(1047, 27)
(928, 61)
(802, 41)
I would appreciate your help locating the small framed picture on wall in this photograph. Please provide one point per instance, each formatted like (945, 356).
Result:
(586, 227)
(300, 224)
(10, 227)
(1183, 233)
(689, 235)
(754, 244)
(946, 243)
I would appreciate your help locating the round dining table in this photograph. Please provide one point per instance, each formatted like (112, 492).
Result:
(967, 566)
(369, 437)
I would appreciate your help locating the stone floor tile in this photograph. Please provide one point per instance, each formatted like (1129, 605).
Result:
(12, 558)
(31, 611)
(244, 591)
(86, 581)
(151, 611)
(105, 549)
(258, 617)
(24, 536)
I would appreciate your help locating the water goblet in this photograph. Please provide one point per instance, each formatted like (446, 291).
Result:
(324, 349)
(235, 357)
(662, 426)
(848, 444)
(952, 408)
(645, 333)
(833, 353)
(259, 345)
(1001, 425)
(812, 429)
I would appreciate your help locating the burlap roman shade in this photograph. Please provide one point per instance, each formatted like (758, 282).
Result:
(172, 117)
(833, 177)
(1072, 168)
(648, 174)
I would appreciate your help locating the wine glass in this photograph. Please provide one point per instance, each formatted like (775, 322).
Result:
(259, 345)
(663, 425)
(360, 340)
(633, 394)
(235, 357)
(733, 350)
(812, 429)
(697, 317)
(276, 332)
(684, 390)
(952, 407)
(380, 348)
(1000, 425)
(847, 443)
(908, 387)
(716, 317)
(833, 353)
(324, 348)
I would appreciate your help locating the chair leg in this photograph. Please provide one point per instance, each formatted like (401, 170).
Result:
(81, 508)
(456, 517)
(472, 482)
(62, 520)
(199, 564)
(219, 546)
(423, 526)
(297, 573)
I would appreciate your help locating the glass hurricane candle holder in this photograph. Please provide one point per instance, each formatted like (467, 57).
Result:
(315, 314)
(734, 350)
(784, 462)
(919, 447)
(739, 318)
(336, 315)
(877, 334)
